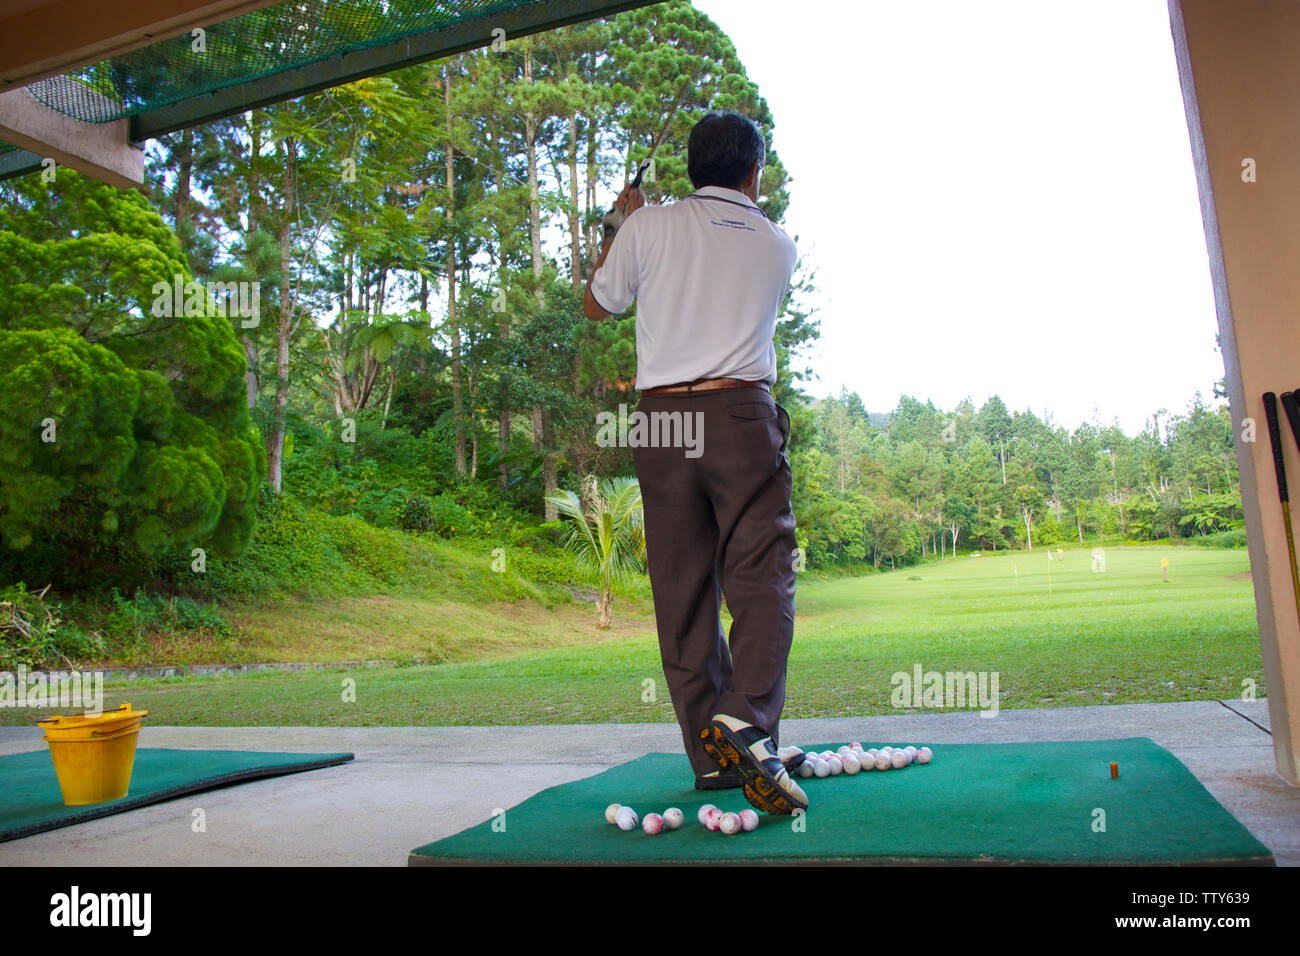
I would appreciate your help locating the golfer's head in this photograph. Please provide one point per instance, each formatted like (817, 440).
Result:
(722, 150)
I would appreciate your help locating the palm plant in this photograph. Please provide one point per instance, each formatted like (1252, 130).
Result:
(607, 535)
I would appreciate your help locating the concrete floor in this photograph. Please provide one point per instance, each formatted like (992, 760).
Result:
(412, 785)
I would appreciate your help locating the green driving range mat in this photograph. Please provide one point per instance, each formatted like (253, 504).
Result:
(30, 800)
(974, 803)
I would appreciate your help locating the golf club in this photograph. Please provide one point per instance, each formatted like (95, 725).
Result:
(1275, 437)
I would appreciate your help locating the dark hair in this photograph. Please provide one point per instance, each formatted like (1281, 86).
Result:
(723, 148)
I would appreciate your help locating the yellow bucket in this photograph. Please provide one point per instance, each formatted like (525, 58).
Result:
(93, 754)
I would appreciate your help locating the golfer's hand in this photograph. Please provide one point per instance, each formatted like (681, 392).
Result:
(629, 200)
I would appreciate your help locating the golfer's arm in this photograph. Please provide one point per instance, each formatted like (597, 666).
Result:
(590, 307)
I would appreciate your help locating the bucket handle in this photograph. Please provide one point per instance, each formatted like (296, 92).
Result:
(117, 730)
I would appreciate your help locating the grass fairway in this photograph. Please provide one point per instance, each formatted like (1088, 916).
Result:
(1122, 636)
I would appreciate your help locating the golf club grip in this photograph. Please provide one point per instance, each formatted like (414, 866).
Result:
(1292, 407)
(1275, 436)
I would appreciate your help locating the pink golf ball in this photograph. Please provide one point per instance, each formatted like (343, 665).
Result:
(856, 746)
(748, 820)
(730, 824)
(924, 755)
(714, 819)
(653, 824)
(703, 815)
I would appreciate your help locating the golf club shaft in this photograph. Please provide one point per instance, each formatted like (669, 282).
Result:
(1275, 437)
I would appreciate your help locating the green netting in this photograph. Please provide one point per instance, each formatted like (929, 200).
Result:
(249, 47)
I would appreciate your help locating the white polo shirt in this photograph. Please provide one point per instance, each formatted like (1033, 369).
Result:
(709, 274)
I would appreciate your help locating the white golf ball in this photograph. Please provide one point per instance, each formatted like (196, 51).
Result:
(856, 746)
(883, 761)
(899, 759)
(806, 769)
(626, 819)
(611, 812)
(837, 765)
(673, 818)
(843, 752)
(703, 815)
(827, 754)
(730, 824)
(911, 751)
(924, 755)
(851, 764)
(870, 753)
(821, 768)
(748, 820)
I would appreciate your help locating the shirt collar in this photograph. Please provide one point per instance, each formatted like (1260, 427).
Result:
(722, 192)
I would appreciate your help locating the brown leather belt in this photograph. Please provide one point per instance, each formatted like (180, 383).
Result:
(705, 385)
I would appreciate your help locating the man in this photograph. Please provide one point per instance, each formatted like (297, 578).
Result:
(709, 274)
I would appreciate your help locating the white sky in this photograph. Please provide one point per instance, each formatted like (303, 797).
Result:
(998, 197)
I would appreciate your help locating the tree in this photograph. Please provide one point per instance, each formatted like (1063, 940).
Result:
(124, 434)
(606, 533)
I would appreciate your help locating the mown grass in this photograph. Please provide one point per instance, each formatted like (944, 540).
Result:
(1122, 636)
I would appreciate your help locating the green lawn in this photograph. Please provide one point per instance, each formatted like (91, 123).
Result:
(1122, 636)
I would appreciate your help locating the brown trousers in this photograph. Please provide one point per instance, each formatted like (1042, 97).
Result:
(721, 524)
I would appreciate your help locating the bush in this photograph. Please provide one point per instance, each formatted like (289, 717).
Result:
(34, 634)
(417, 515)
(1233, 538)
(448, 518)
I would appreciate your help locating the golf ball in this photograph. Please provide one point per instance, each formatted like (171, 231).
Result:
(611, 812)
(856, 746)
(730, 824)
(837, 765)
(899, 759)
(851, 764)
(911, 751)
(821, 768)
(703, 815)
(626, 819)
(844, 752)
(748, 820)
(806, 769)
(883, 761)
(924, 755)
(827, 754)
(673, 818)
(653, 824)
(714, 819)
